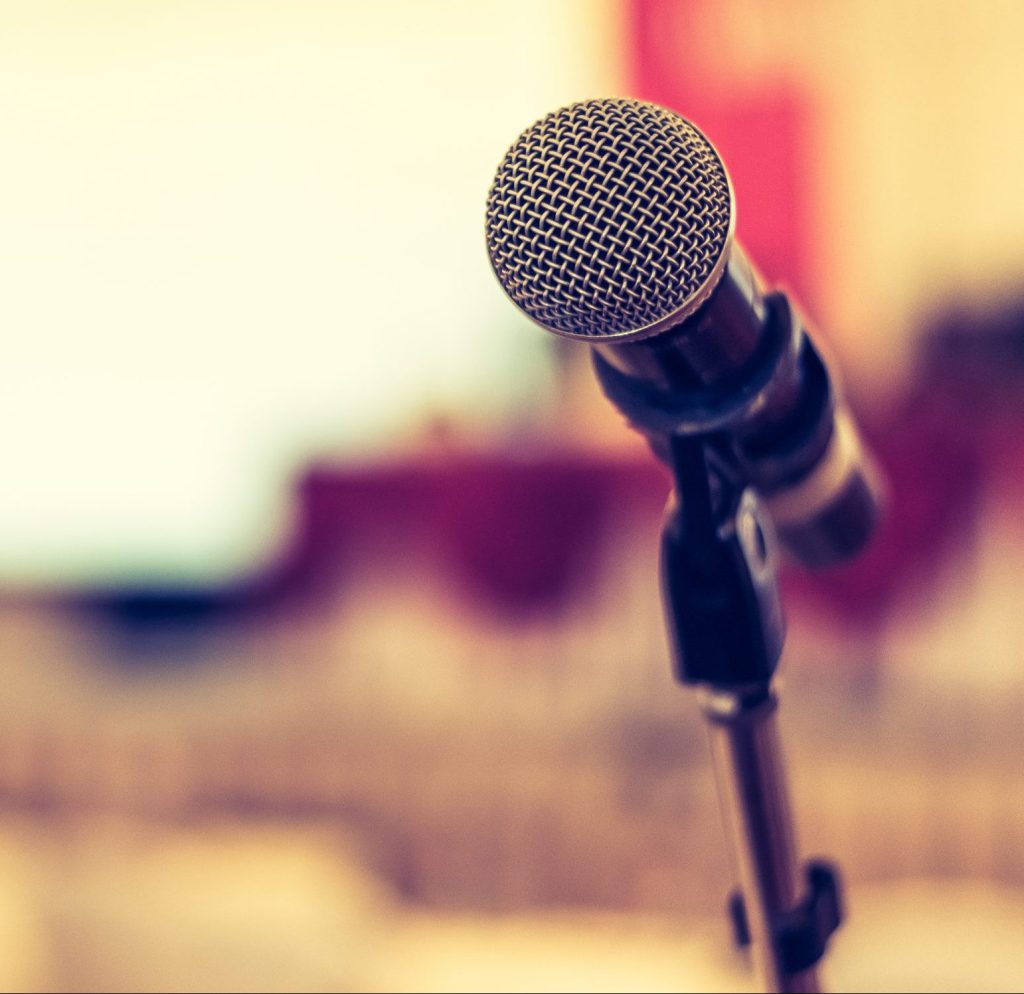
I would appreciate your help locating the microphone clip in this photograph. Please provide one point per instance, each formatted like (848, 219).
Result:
(718, 570)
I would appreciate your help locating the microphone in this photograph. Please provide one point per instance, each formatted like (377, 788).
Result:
(612, 222)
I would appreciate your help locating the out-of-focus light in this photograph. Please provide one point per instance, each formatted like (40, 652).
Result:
(236, 235)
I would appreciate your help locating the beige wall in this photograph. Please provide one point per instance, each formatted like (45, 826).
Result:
(921, 148)
(235, 235)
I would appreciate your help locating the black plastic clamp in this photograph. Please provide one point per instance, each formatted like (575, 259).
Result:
(801, 935)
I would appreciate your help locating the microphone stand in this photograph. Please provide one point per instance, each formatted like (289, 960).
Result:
(726, 629)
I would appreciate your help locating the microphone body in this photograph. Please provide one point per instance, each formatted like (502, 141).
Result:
(743, 369)
(611, 222)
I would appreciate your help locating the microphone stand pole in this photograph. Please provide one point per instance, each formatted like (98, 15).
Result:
(727, 630)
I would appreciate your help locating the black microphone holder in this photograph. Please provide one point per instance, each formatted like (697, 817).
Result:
(726, 630)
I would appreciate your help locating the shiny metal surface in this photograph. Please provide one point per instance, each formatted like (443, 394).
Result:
(710, 345)
(610, 220)
(755, 804)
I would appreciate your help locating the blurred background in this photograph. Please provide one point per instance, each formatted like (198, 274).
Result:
(330, 638)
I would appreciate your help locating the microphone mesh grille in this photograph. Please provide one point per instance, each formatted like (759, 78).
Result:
(606, 217)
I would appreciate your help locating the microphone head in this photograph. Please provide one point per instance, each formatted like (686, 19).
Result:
(610, 220)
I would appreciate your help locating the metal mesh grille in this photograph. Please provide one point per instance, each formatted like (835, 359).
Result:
(606, 217)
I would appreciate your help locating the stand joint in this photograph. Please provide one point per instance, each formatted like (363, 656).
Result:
(801, 935)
